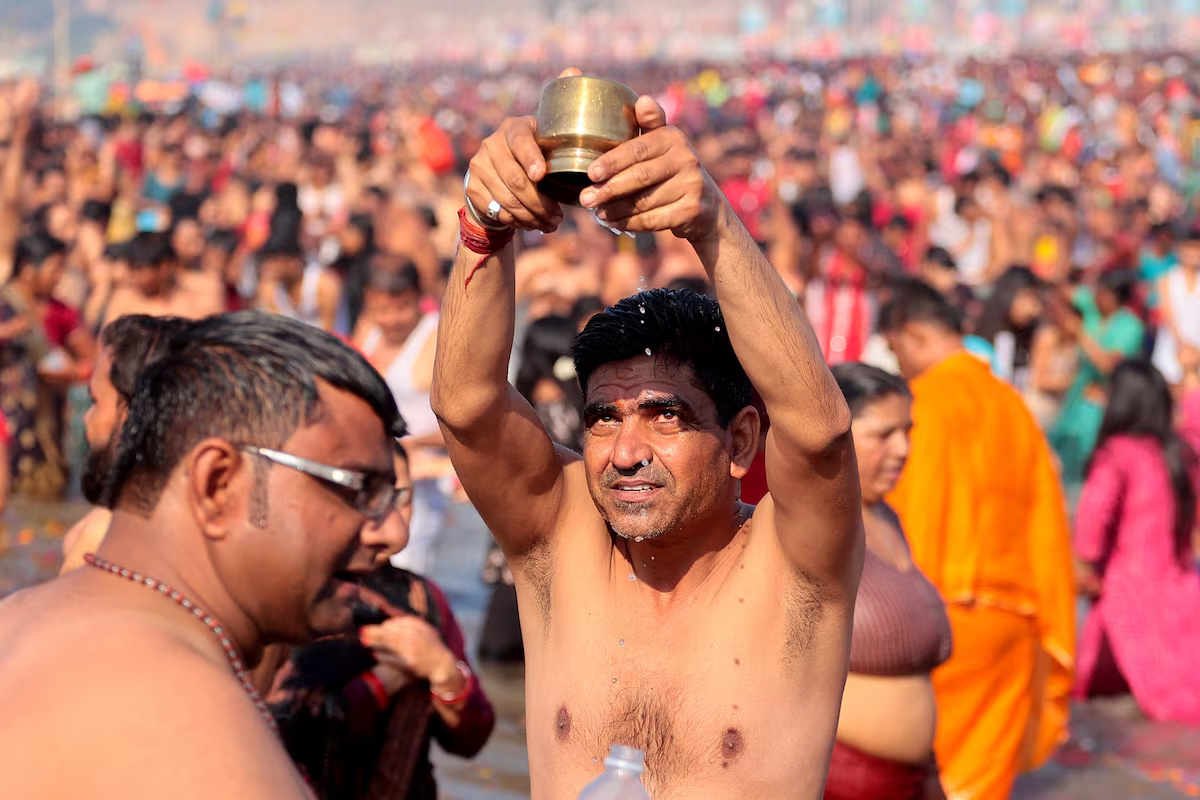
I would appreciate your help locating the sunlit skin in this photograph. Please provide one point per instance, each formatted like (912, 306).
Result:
(646, 423)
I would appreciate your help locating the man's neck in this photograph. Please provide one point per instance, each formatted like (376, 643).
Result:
(944, 348)
(136, 543)
(675, 564)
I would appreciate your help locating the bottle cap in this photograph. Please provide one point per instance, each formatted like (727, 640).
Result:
(626, 758)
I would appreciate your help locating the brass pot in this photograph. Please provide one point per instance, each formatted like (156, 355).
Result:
(579, 119)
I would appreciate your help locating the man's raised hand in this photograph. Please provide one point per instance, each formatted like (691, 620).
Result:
(654, 182)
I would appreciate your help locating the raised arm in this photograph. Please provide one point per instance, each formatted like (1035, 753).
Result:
(656, 182)
(505, 459)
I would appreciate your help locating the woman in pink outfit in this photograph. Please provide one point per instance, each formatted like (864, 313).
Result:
(1133, 535)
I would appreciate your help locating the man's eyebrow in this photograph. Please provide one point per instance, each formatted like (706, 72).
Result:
(665, 402)
(658, 402)
(595, 409)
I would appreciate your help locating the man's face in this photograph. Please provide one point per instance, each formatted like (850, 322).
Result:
(908, 346)
(49, 275)
(654, 451)
(395, 314)
(152, 281)
(303, 565)
(188, 240)
(1189, 254)
(101, 424)
(390, 535)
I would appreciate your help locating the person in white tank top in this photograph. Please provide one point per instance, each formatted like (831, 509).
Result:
(1179, 293)
(308, 292)
(400, 341)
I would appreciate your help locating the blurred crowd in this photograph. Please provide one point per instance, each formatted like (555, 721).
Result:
(1054, 202)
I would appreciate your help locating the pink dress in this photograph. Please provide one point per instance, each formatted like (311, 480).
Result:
(1149, 607)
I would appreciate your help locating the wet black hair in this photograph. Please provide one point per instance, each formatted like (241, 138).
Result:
(132, 342)
(916, 301)
(248, 377)
(682, 326)
(863, 384)
(1140, 404)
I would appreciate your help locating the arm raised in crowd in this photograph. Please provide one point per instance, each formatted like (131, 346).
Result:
(656, 182)
(496, 442)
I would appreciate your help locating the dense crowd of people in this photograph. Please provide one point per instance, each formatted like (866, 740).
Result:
(1000, 262)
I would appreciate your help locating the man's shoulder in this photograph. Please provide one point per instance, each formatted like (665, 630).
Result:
(97, 689)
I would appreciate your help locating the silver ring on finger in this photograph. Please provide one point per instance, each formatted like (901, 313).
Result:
(493, 210)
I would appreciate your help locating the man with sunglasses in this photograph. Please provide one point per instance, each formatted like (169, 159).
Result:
(255, 455)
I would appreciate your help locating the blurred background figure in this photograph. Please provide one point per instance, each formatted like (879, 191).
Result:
(886, 731)
(1137, 558)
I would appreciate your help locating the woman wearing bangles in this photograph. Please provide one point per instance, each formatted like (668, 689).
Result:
(358, 713)
(884, 747)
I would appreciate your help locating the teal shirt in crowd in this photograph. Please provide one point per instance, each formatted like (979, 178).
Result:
(1074, 434)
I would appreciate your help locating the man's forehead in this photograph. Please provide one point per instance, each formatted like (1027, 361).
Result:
(641, 378)
(348, 431)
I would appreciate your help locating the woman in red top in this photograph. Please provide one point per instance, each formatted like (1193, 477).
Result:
(43, 349)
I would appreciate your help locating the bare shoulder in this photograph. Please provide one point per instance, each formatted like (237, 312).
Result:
(126, 704)
(84, 537)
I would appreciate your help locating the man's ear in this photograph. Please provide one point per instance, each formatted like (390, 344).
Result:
(220, 482)
(743, 445)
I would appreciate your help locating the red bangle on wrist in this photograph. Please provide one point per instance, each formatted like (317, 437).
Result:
(484, 242)
(468, 686)
(377, 689)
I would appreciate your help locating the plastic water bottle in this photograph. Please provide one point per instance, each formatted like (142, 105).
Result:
(622, 778)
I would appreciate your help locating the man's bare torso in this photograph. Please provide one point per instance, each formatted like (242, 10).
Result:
(731, 690)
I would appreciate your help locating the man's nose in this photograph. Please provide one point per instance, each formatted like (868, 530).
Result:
(631, 451)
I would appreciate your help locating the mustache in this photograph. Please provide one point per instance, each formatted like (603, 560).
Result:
(647, 474)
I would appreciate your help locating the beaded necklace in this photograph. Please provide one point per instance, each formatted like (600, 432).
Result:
(235, 660)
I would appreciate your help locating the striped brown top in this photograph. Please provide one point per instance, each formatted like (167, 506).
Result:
(900, 622)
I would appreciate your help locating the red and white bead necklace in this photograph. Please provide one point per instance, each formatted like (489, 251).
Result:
(235, 660)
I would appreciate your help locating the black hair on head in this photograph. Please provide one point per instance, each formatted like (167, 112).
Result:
(680, 325)
(247, 377)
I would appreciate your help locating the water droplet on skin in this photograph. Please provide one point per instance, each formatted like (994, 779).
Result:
(621, 643)
(638, 538)
(594, 759)
(645, 462)
(614, 681)
(632, 577)
(648, 352)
